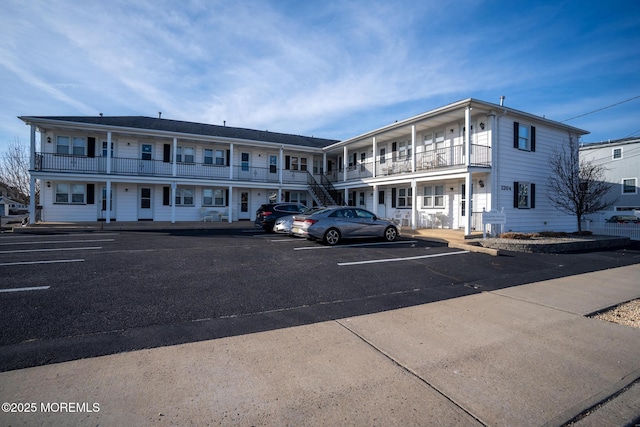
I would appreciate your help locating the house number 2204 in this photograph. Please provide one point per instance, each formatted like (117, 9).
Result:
(505, 187)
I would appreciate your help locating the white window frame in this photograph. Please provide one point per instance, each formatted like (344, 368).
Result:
(185, 155)
(220, 158)
(634, 184)
(616, 153)
(208, 156)
(524, 197)
(404, 197)
(64, 147)
(524, 142)
(75, 193)
(213, 196)
(433, 196)
(183, 194)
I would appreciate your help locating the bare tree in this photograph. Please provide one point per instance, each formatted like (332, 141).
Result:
(577, 186)
(14, 171)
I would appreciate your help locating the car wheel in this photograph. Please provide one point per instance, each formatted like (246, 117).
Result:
(332, 236)
(390, 234)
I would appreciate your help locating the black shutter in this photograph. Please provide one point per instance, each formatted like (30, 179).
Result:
(91, 194)
(91, 147)
(287, 196)
(167, 153)
(226, 197)
(516, 134)
(228, 158)
(393, 197)
(287, 162)
(533, 138)
(532, 190)
(166, 196)
(394, 146)
(515, 194)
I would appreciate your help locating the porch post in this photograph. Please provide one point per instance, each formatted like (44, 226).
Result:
(230, 163)
(374, 208)
(174, 157)
(32, 180)
(413, 148)
(467, 196)
(108, 196)
(414, 200)
(173, 202)
(373, 159)
(108, 152)
(230, 203)
(345, 162)
(467, 135)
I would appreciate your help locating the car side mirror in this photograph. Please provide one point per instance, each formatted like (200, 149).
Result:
(375, 218)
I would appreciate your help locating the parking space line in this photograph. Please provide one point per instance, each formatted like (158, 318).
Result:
(374, 261)
(304, 248)
(35, 288)
(51, 250)
(57, 241)
(56, 261)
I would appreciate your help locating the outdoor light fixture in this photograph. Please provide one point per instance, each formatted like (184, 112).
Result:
(49, 184)
(49, 139)
(481, 183)
(481, 125)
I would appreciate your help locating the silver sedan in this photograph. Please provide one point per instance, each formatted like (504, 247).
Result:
(336, 223)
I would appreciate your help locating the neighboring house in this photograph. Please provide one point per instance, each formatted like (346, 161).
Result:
(425, 171)
(11, 207)
(621, 160)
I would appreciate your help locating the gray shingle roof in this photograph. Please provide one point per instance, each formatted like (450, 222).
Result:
(157, 124)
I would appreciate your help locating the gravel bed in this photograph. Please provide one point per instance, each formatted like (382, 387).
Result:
(624, 314)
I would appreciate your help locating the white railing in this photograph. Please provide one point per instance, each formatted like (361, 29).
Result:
(631, 231)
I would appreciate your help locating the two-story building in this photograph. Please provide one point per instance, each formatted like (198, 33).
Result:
(621, 162)
(437, 169)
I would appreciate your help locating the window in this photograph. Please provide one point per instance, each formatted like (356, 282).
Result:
(273, 164)
(303, 164)
(104, 149)
(433, 196)
(213, 197)
(524, 195)
(383, 152)
(381, 197)
(70, 193)
(79, 146)
(62, 145)
(185, 155)
(184, 196)
(361, 199)
(220, 157)
(405, 197)
(524, 137)
(617, 153)
(208, 156)
(363, 159)
(404, 150)
(629, 186)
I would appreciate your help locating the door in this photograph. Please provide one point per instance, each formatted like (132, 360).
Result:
(245, 166)
(244, 206)
(146, 159)
(103, 203)
(145, 204)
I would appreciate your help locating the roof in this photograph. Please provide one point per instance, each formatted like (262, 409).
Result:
(610, 143)
(174, 127)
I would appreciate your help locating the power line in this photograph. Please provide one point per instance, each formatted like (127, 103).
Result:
(600, 109)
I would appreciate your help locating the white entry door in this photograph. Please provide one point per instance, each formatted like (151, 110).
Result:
(146, 159)
(244, 206)
(145, 203)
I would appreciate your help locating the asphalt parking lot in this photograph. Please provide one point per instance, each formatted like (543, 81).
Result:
(77, 295)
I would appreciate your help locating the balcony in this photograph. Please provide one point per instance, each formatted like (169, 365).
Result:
(48, 162)
(447, 157)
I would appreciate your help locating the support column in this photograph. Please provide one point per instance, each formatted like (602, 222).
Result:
(108, 152)
(230, 205)
(413, 148)
(173, 202)
(174, 158)
(375, 162)
(467, 135)
(108, 201)
(414, 204)
(375, 199)
(467, 196)
(230, 164)
(345, 163)
(32, 180)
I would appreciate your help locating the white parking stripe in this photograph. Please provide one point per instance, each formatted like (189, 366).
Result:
(57, 241)
(40, 262)
(304, 248)
(51, 250)
(374, 261)
(35, 288)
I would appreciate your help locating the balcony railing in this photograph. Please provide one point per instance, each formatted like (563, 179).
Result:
(49, 162)
(425, 160)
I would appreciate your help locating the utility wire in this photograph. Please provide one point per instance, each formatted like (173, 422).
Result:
(600, 109)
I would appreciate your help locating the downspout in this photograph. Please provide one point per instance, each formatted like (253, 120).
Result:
(32, 180)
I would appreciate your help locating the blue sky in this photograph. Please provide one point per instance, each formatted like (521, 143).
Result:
(331, 69)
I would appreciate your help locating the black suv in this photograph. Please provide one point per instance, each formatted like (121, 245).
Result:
(266, 215)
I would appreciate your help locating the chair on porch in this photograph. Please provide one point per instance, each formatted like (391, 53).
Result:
(206, 215)
(406, 218)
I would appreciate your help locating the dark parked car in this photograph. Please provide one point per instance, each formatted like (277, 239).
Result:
(267, 214)
(624, 219)
(335, 223)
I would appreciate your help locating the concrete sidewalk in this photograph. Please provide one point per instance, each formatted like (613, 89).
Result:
(521, 356)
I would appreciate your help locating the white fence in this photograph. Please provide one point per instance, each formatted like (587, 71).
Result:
(612, 229)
